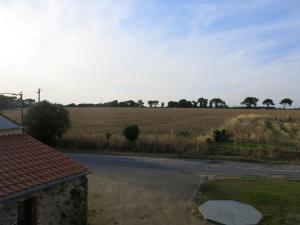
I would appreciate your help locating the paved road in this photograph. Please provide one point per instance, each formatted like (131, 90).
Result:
(183, 166)
(147, 191)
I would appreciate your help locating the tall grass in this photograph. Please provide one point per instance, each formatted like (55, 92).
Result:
(174, 144)
(264, 129)
(265, 136)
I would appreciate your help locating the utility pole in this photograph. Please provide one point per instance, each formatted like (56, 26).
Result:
(22, 106)
(39, 95)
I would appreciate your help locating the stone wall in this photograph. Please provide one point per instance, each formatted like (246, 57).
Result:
(62, 204)
(8, 213)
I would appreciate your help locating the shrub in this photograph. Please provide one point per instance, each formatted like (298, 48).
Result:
(183, 134)
(47, 122)
(108, 136)
(220, 135)
(131, 133)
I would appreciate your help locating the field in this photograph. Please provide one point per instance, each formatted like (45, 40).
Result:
(272, 197)
(258, 133)
(158, 121)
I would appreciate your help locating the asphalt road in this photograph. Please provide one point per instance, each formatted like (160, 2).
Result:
(145, 190)
(108, 163)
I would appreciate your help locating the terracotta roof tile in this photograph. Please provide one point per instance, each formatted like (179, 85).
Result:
(27, 163)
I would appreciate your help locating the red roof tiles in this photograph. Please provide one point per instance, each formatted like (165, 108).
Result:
(26, 163)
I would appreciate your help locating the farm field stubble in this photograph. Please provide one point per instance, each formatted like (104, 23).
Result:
(161, 121)
(152, 121)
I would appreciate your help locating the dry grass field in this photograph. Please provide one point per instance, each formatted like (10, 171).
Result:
(158, 121)
(185, 131)
(182, 131)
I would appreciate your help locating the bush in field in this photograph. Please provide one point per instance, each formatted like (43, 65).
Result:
(47, 122)
(220, 135)
(108, 142)
(183, 134)
(108, 136)
(131, 133)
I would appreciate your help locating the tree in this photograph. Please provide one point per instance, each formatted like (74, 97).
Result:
(162, 104)
(172, 104)
(203, 102)
(150, 103)
(183, 103)
(268, 102)
(131, 103)
(29, 102)
(155, 103)
(8, 102)
(71, 105)
(131, 133)
(86, 105)
(250, 102)
(140, 103)
(47, 122)
(285, 102)
(114, 103)
(217, 103)
(195, 104)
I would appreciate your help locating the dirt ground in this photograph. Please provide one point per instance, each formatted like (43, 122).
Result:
(116, 202)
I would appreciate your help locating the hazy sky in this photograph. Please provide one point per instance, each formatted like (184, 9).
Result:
(93, 50)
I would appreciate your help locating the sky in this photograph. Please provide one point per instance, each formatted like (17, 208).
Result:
(100, 50)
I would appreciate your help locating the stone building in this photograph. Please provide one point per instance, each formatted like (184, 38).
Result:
(38, 185)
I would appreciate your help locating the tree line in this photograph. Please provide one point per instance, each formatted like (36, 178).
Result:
(7, 102)
(248, 102)
(12, 102)
(200, 103)
(251, 102)
(183, 103)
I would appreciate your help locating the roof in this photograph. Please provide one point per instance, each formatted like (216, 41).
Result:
(230, 212)
(27, 164)
(6, 123)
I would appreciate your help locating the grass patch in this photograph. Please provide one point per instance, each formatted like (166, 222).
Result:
(255, 151)
(278, 200)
